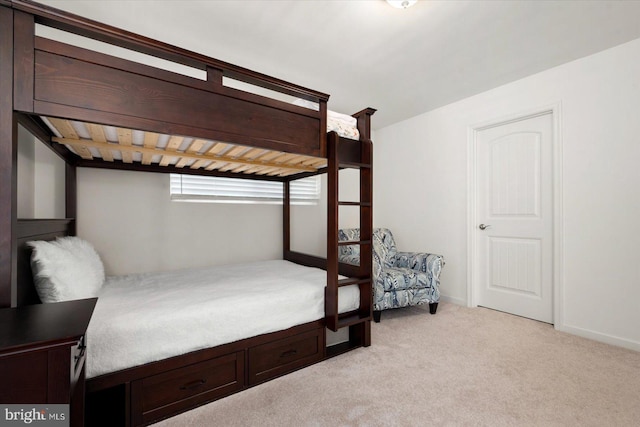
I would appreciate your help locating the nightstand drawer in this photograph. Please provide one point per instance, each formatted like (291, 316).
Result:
(24, 378)
(279, 357)
(188, 386)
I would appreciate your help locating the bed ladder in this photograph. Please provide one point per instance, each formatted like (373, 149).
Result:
(349, 154)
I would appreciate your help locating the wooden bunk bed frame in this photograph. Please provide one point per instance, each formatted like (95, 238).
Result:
(41, 80)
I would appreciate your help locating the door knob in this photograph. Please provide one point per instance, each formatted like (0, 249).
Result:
(483, 226)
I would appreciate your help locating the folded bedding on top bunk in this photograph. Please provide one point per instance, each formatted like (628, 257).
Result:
(342, 128)
(343, 124)
(142, 318)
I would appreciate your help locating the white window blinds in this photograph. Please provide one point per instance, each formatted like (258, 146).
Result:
(196, 188)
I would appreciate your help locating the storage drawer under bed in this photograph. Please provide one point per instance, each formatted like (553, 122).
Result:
(276, 358)
(179, 387)
(168, 393)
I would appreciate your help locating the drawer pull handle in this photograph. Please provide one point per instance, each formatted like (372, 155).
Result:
(193, 384)
(81, 349)
(289, 353)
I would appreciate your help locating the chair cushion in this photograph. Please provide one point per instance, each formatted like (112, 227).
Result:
(402, 278)
(404, 298)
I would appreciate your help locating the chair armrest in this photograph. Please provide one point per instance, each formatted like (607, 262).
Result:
(429, 263)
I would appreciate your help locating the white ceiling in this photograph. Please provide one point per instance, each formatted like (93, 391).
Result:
(368, 54)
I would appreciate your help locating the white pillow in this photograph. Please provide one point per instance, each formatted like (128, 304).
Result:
(66, 269)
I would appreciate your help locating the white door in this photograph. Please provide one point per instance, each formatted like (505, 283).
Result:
(514, 217)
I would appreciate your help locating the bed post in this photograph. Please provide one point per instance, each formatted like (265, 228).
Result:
(70, 196)
(366, 230)
(286, 223)
(8, 163)
(364, 122)
(24, 29)
(322, 107)
(331, 291)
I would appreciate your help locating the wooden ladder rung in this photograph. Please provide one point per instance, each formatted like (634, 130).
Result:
(354, 242)
(353, 281)
(352, 320)
(354, 165)
(364, 204)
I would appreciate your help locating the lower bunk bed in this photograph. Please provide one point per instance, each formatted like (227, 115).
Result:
(162, 343)
(165, 342)
(143, 318)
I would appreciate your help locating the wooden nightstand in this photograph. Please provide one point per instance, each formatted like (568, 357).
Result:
(42, 354)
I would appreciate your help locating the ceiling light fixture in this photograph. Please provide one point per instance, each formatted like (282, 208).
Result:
(402, 4)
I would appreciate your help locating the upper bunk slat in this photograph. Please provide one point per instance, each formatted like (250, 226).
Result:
(150, 141)
(98, 143)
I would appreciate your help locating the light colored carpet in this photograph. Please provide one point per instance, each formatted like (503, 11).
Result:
(463, 366)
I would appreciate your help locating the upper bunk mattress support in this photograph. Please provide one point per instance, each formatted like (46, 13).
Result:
(117, 147)
(63, 74)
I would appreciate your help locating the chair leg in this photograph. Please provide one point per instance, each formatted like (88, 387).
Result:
(433, 306)
(376, 315)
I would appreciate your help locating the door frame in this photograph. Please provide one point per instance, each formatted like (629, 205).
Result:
(473, 280)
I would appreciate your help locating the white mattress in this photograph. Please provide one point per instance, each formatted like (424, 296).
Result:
(147, 317)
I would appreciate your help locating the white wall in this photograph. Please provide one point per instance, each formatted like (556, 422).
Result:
(49, 183)
(130, 219)
(40, 179)
(135, 226)
(421, 185)
(309, 225)
(26, 174)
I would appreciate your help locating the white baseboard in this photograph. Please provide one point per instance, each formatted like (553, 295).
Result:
(598, 336)
(574, 330)
(453, 300)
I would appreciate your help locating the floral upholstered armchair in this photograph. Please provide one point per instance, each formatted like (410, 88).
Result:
(400, 279)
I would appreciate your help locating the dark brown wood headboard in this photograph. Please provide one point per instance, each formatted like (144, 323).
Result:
(29, 230)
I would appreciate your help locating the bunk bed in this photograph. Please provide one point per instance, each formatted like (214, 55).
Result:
(72, 99)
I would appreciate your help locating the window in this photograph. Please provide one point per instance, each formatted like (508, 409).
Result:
(195, 188)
